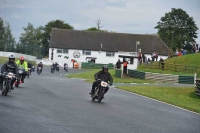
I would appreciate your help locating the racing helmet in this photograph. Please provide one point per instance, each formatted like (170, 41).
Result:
(22, 58)
(105, 67)
(11, 57)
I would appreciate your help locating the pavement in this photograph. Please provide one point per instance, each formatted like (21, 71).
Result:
(50, 103)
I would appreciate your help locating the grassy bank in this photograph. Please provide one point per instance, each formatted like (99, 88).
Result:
(185, 60)
(89, 76)
(4, 59)
(180, 96)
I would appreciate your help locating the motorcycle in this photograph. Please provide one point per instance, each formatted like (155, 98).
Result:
(33, 68)
(52, 69)
(39, 70)
(57, 67)
(100, 91)
(66, 68)
(29, 72)
(18, 79)
(7, 83)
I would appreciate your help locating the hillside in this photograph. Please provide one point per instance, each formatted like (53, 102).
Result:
(190, 59)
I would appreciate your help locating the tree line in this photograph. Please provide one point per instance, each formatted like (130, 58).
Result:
(177, 29)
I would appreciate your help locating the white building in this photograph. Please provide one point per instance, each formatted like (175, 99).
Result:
(102, 47)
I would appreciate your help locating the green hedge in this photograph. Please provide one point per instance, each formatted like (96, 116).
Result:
(94, 65)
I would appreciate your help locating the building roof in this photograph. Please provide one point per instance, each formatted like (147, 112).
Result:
(106, 41)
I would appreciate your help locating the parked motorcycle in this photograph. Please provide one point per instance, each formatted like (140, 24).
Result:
(39, 70)
(7, 83)
(100, 91)
(52, 69)
(18, 79)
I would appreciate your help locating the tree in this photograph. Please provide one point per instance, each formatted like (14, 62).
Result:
(27, 38)
(1, 34)
(176, 28)
(9, 40)
(47, 31)
(93, 29)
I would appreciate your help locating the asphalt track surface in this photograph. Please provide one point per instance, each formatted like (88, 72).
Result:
(51, 103)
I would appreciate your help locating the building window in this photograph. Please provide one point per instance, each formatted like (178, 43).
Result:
(110, 54)
(86, 52)
(59, 50)
(65, 51)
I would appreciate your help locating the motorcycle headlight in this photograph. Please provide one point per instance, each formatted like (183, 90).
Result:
(104, 84)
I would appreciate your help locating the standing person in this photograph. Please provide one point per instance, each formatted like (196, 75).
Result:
(162, 63)
(118, 64)
(156, 56)
(21, 63)
(9, 66)
(125, 63)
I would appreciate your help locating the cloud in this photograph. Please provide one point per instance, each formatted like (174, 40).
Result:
(126, 16)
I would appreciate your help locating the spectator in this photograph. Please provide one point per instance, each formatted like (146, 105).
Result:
(118, 64)
(140, 58)
(162, 63)
(156, 56)
(176, 53)
(170, 55)
(153, 56)
(125, 63)
(194, 48)
(183, 51)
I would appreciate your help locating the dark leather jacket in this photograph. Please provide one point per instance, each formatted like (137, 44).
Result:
(105, 76)
(9, 67)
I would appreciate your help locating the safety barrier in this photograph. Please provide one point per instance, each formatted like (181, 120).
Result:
(197, 86)
(94, 65)
(161, 77)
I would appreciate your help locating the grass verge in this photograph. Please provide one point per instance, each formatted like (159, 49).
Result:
(89, 76)
(180, 96)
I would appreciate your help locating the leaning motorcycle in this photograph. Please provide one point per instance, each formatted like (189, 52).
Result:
(100, 91)
(18, 79)
(7, 83)
(39, 70)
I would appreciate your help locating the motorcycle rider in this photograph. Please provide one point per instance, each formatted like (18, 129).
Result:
(9, 66)
(103, 75)
(40, 65)
(30, 66)
(65, 64)
(56, 66)
(53, 65)
(22, 63)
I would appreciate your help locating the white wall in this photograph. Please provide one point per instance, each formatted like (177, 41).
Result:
(101, 57)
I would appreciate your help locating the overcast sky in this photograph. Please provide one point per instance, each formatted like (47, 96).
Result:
(121, 16)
